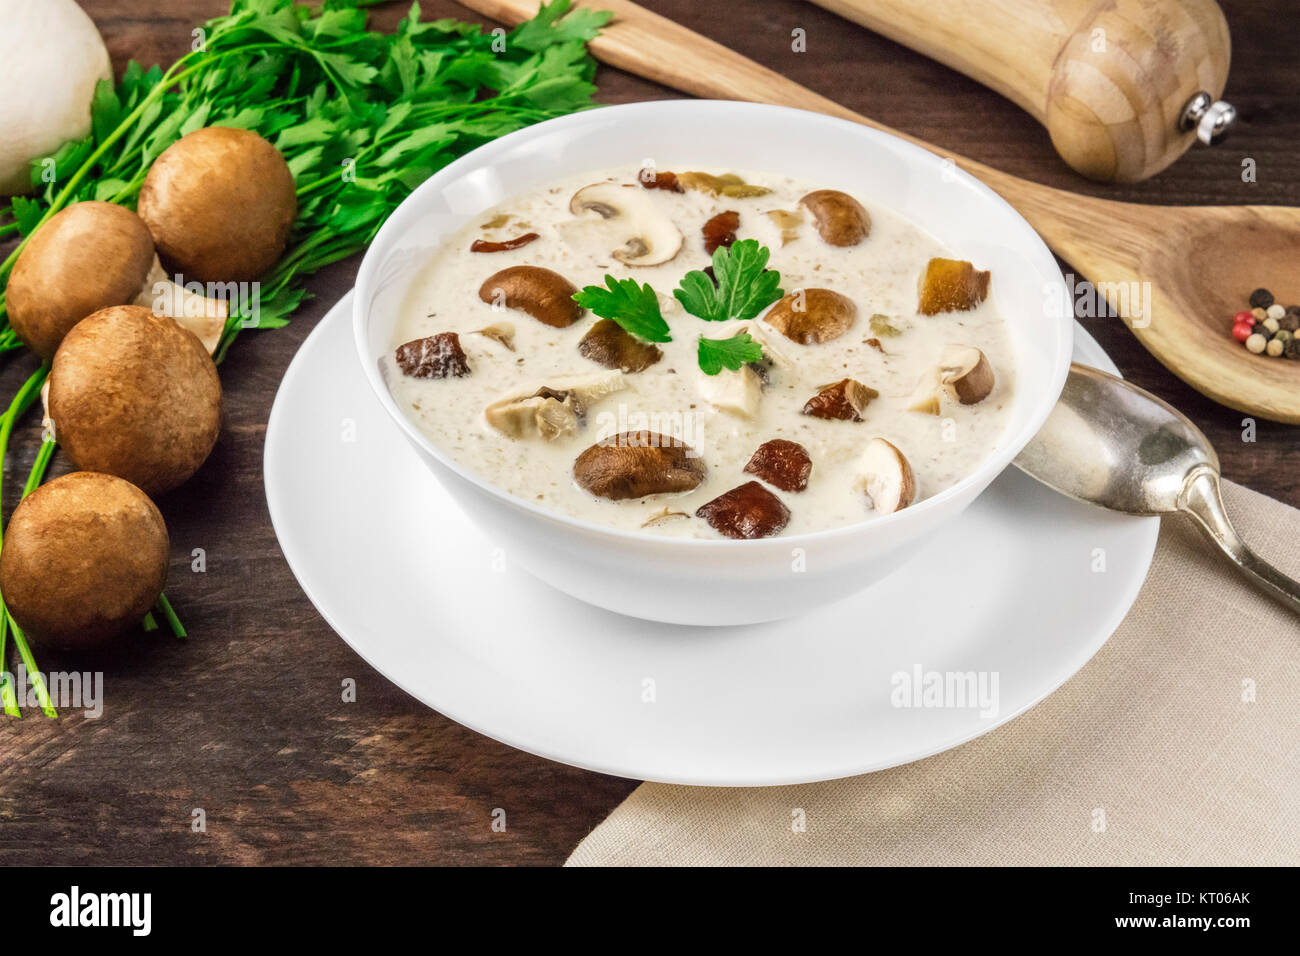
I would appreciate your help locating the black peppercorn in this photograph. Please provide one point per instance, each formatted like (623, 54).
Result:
(1261, 299)
(1292, 349)
(1290, 321)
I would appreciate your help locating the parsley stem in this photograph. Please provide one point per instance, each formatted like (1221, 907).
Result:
(164, 607)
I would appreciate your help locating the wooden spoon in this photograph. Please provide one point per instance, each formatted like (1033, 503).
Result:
(1197, 264)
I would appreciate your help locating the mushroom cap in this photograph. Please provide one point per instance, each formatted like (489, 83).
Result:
(87, 257)
(966, 374)
(636, 231)
(219, 202)
(812, 316)
(545, 295)
(888, 477)
(841, 220)
(135, 395)
(637, 464)
(85, 557)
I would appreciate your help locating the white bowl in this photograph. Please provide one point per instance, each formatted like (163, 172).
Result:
(711, 582)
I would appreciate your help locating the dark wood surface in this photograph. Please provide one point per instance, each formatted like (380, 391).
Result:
(245, 719)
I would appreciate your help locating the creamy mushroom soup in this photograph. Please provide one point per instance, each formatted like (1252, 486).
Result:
(874, 372)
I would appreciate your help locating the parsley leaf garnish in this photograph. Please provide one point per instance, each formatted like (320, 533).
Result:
(744, 286)
(732, 353)
(634, 307)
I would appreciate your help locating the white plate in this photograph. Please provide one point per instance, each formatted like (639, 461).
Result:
(1010, 589)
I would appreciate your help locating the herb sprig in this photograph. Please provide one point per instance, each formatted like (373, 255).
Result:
(741, 288)
(716, 354)
(634, 307)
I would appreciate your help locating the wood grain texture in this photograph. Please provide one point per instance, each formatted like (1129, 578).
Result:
(1108, 80)
(245, 718)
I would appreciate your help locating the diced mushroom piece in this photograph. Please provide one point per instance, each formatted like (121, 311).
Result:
(773, 358)
(633, 229)
(925, 399)
(653, 179)
(812, 316)
(545, 295)
(787, 222)
(552, 410)
(637, 464)
(887, 477)
(966, 374)
(721, 230)
(748, 511)
(951, 285)
(610, 345)
(782, 463)
(435, 356)
(844, 400)
(506, 245)
(841, 220)
(738, 392)
(728, 184)
(503, 333)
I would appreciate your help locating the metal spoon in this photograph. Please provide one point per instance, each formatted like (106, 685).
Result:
(1112, 444)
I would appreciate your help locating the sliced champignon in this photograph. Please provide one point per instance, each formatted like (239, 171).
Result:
(812, 316)
(748, 511)
(887, 477)
(966, 374)
(88, 257)
(505, 245)
(219, 203)
(133, 394)
(727, 184)
(503, 333)
(840, 219)
(636, 464)
(782, 463)
(85, 557)
(545, 295)
(925, 398)
(720, 230)
(552, 410)
(610, 345)
(737, 391)
(435, 356)
(845, 400)
(951, 285)
(205, 317)
(632, 228)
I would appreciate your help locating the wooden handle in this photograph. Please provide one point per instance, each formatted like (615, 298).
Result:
(1108, 80)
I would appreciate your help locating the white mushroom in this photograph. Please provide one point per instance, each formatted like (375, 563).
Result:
(887, 477)
(205, 317)
(553, 409)
(736, 392)
(622, 221)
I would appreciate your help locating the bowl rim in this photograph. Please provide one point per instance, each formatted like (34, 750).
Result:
(409, 208)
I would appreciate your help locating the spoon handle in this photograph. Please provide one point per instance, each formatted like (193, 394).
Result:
(1201, 499)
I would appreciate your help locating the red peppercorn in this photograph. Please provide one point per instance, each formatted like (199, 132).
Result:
(1241, 317)
(1243, 330)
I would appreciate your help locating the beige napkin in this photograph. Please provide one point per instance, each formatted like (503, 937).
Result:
(1178, 744)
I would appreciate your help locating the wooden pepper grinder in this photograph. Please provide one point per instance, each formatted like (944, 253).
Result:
(1124, 87)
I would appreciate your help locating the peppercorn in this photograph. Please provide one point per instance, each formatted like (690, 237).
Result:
(1275, 311)
(1256, 343)
(1259, 314)
(1292, 349)
(1283, 336)
(1243, 330)
(1271, 324)
(1274, 348)
(1290, 322)
(1261, 298)
(1245, 316)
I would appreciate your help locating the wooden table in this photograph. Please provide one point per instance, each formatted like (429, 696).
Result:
(245, 719)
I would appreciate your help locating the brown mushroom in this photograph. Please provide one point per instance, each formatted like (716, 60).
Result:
(219, 202)
(435, 356)
(840, 219)
(887, 476)
(636, 464)
(782, 463)
(85, 557)
(133, 394)
(545, 295)
(720, 230)
(844, 400)
(88, 257)
(505, 245)
(966, 374)
(951, 285)
(812, 316)
(748, 511)
(607, 343)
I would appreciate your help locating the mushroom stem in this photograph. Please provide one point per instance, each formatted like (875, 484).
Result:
(204, 316)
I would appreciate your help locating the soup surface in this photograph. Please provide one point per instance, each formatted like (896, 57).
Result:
(922, 406)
